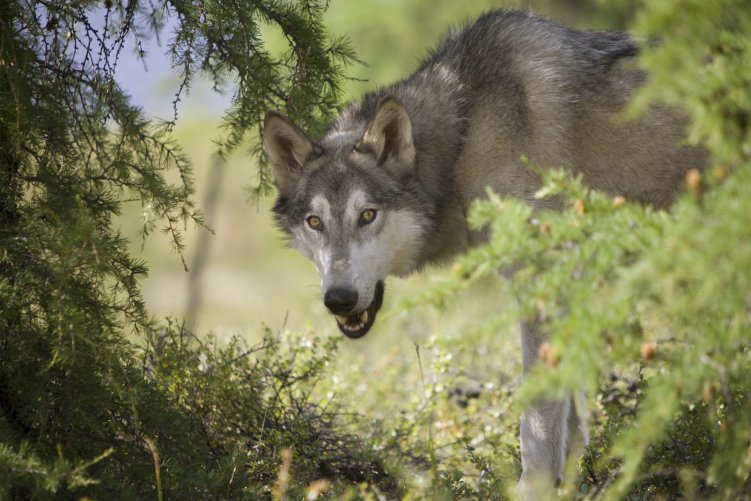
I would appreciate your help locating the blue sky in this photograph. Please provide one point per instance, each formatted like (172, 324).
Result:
(152, 83)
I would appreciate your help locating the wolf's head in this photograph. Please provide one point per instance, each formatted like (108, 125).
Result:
(351, 203)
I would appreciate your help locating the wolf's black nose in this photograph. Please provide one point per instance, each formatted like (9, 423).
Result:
(340, 301)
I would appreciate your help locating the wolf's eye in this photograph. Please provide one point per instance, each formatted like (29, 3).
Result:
(367, 216)
(315, 223)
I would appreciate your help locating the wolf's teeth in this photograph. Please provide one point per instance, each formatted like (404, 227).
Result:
(364, 317)
(340, 319)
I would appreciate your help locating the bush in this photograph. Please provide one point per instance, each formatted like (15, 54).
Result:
(192, 420)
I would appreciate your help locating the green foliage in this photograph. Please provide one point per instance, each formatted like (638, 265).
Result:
(222, 40)
(212, 422)
(85, 411)
(247, 406)
(609, 280)
(449, 428)
(702, 67)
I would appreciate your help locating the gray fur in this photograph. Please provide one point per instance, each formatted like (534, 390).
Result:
(421, 150)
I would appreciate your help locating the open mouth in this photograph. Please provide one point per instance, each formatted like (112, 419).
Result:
(358, 324)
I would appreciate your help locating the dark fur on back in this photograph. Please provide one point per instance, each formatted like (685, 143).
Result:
(587, 53)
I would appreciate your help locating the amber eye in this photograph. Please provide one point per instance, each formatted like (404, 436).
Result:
(315, 223)
(367, 216)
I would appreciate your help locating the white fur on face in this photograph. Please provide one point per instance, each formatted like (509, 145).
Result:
(392, 251)
(321, 253)
(387, 246)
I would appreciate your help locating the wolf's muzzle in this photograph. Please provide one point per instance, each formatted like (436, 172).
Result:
(356, 325)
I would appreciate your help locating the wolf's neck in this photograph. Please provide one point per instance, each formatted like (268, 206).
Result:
(435, 99)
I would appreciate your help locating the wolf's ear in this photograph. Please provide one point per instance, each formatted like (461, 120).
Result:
(388, 135)
(288, 148)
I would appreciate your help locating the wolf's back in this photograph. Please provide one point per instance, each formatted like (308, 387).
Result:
(512, 43)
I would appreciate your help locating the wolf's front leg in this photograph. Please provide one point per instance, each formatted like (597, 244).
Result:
(549, 429)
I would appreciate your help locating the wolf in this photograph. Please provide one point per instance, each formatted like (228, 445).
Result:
(387, 187)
